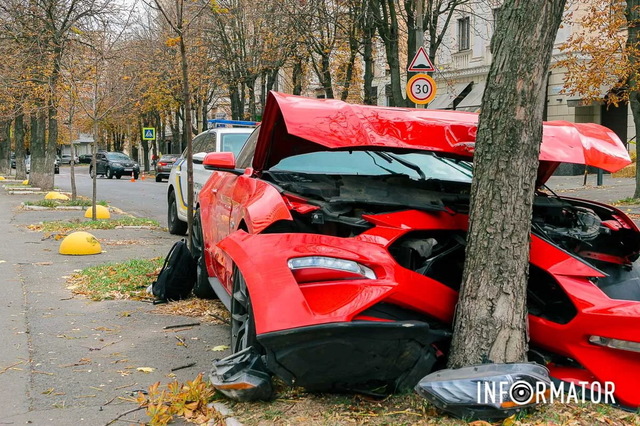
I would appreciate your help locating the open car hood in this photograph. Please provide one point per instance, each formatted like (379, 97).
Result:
(294, 125)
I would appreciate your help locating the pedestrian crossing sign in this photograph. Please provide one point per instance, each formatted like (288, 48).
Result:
(148, 133)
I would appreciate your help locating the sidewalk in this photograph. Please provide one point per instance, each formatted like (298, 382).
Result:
(67, 360)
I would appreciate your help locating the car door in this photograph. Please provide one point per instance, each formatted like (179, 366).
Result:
(222, 212)
(101, 161)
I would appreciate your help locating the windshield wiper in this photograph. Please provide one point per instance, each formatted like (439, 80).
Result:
(389, 157)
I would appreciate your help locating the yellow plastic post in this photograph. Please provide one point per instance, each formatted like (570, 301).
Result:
(80, 243)
(101, 212)
(53, 195)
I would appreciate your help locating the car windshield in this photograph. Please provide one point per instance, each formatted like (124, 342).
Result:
(118, 156)
(233, 142)
(417, 165)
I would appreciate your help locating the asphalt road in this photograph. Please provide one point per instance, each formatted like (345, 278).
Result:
(142, 198)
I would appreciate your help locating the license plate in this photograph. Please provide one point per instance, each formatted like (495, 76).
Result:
(128, 170)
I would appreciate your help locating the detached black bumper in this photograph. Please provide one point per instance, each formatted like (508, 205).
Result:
(354, 356)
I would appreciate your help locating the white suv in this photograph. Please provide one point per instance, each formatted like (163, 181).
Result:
(221, 139)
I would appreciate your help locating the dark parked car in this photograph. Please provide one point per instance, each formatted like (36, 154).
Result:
(163, 166)
(116, 164)
(85, 158)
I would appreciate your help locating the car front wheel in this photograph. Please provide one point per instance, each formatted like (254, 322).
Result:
(243, 328)
(91, 172)
(175, 225)
(135, 175)
(109, 173)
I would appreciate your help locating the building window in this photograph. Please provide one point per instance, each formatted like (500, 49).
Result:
(464, 25)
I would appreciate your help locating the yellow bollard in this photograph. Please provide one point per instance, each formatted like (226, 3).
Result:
(101, 212)
(53, 195)
(80, 243)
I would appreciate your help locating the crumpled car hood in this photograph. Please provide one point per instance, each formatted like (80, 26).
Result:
(295, 125)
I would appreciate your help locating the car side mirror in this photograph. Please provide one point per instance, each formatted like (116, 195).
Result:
(220, 160)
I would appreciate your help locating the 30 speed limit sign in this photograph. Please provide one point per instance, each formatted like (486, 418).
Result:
(421, 89)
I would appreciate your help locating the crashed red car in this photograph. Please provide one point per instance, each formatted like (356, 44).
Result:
(337, 240)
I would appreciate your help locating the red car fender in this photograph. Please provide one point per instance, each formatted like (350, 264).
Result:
(263, 260)
(261, 203)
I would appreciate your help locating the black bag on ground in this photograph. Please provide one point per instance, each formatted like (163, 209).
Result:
(177, 276)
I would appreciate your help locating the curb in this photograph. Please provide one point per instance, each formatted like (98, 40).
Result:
(226, 412)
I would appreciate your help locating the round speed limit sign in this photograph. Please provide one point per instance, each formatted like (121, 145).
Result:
(421, 89)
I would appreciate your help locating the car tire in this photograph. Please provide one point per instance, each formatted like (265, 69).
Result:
(158, 178)
(243, 327)
(56, 171)
(175, 225)
(91, 173)
(135, 175)
(118, 175)
(202, 288)
(109, 173)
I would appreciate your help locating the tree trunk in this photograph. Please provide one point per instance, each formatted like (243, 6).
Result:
(632, 13)
(37, 148)
(251, 88)
(491, 321)
(368, 29)
(18, 132)
(186, 95)
(236, 107)
(327, 82)
(297, 77)
(5, 147)
(387, 22)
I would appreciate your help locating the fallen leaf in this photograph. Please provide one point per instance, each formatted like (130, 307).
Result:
(220, 348)
(146, 369)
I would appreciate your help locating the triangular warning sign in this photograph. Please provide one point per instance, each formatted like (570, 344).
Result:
(421, 62)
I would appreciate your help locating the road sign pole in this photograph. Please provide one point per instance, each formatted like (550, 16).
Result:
(419, 32)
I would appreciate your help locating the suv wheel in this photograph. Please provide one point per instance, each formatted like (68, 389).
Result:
(109, 173)
(175, 225)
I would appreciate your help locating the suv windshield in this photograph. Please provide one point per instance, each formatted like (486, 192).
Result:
(416, 165)
(117, 156)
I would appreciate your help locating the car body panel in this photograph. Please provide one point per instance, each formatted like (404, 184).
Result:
(258, 224)
(290, 121)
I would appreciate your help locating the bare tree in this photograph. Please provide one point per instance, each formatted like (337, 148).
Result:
(180, 17)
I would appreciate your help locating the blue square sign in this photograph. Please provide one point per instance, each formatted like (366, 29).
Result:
(148, 133)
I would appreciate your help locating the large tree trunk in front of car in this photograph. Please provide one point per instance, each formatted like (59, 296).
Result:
(491, 321)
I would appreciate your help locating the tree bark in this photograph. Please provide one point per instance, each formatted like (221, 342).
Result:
(491, 321)
(297, 76)
(368, 30)
(5, 147)
(632, 13)
(19, 132)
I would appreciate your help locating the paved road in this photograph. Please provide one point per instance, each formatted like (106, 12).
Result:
(143, 198)
(65, 360)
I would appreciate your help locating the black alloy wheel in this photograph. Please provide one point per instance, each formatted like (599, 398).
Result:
(243, 328)
(175, 225)
(202, 289)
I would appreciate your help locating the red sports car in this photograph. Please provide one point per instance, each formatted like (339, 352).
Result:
(337, 237)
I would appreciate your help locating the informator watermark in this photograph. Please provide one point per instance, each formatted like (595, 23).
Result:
(523, 392)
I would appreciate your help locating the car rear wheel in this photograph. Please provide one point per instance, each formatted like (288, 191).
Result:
(175, 225)
(243, 328)
(202, 289)
(109, 173)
